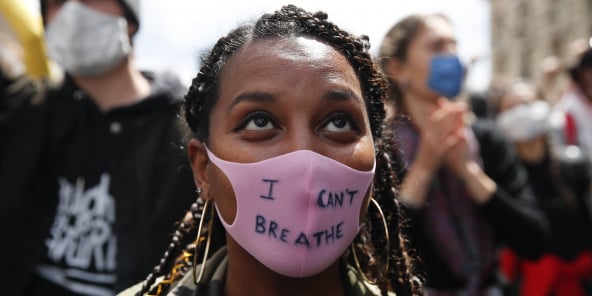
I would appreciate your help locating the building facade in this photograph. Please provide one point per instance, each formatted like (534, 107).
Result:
(524, 32)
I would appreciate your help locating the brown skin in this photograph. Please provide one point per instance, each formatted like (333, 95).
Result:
(301, 89)
(124, 85)
(531, 151)
(439, 122)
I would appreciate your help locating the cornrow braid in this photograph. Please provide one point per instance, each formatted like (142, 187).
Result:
(403, 273)
(292, 21)
(184, 227)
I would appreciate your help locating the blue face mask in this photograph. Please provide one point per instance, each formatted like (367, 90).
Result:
(446, 75)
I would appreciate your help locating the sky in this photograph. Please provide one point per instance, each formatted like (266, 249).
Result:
(174, 33)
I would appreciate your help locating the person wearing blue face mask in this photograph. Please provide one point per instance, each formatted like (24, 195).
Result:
(462, 184)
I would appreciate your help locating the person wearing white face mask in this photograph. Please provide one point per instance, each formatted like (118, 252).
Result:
(91, 41)
(92, 174)
(559, 175)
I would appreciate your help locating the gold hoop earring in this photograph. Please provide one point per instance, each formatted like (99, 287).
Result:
(388, 245)
(207, 211)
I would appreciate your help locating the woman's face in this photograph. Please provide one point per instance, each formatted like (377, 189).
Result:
(282, 95)
(435, 37)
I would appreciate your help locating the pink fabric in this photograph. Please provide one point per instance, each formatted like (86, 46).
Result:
(297, 212)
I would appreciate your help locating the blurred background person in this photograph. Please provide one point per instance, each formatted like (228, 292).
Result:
(577, 103)
(92, 172)
(554, 81)
(560, 178)
(463, 185)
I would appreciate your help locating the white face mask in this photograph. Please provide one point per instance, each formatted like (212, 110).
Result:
(85, 42)
(524, 122)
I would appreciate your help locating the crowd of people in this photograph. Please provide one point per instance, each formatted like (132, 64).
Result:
(295, 163)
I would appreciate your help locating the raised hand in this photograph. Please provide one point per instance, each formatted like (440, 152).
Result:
(442, 134)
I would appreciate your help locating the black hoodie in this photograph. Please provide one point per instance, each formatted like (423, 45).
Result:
(48, 135)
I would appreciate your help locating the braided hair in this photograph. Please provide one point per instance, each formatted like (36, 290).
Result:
(291, 21)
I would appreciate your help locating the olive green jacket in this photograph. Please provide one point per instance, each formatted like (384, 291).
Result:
(215, 272)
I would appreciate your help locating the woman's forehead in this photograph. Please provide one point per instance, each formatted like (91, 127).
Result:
(437, 27)
(268, 55)
(300, 49)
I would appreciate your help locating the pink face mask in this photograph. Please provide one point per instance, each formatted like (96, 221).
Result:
(296, 213)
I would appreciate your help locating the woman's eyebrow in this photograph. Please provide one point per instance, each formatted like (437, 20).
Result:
(336, 95)
(252, 97)
(341, 95)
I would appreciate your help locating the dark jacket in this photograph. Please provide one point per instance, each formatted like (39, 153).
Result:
(215, 274)
(151, 179)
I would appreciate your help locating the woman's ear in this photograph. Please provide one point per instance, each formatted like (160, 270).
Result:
(199, 159)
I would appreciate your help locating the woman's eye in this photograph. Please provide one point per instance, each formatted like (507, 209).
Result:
(256, 122)
(339, 123)
(259, 123)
